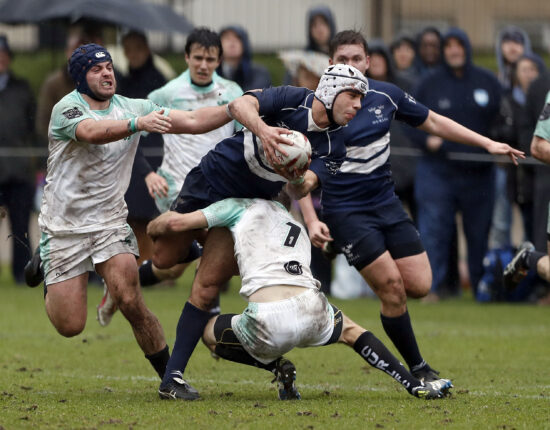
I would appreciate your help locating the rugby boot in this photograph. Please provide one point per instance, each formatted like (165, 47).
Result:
(285, 375)
(177, 388)
(517, 269)
(33, 270)
(433, 390)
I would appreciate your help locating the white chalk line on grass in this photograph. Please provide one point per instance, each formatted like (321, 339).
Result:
(316, 387)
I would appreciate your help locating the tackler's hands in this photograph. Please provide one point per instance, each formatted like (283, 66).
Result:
(272, 138)
(498, 148)
(319, 233)
(156, 185)
(154, 122)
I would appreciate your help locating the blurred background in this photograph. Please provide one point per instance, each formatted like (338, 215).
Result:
(279, 32)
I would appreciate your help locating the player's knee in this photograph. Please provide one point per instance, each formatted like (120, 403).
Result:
(70, 328)
(203, 296)
(393, 291)
(419, 290)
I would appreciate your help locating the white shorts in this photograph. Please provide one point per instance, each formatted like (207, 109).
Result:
(269, 330)
(67, 256)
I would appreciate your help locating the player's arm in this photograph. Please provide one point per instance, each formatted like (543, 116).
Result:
(448, 129)
(302, 185)
(540, 149)
(103, 131)
(246, 110)
(173, 222)
(318, 231)
(198, 121)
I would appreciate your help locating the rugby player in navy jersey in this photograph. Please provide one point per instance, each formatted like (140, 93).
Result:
(362, 214)
(239, 167)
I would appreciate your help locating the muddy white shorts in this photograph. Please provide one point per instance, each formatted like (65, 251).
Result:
(269, 330)
(67, 256)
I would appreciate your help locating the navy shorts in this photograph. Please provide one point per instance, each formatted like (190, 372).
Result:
(196, 193)
(363, 236)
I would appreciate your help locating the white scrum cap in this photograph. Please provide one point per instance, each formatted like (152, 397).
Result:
(338, 78)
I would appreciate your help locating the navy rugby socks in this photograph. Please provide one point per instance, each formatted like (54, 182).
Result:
(400, 331)
(146, 274)
(159, 360)
(188, 332)
(378, 356)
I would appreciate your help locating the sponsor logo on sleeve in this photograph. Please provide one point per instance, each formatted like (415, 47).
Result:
(293, 267)
(72, 113)
(545, 114)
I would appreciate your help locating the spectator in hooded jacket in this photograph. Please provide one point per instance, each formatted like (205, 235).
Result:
(519, 186)
(17, 111)
(469, 95)
(512, 42)
(321, 29)
(237, 64)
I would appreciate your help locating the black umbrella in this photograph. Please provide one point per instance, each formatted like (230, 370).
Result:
(135, 14)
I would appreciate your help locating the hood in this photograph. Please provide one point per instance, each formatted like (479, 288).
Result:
(243, 35)
(379, 47)
(457, 33)
(511, 29)
(326, 13)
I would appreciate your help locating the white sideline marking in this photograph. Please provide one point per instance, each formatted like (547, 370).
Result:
(317, 387)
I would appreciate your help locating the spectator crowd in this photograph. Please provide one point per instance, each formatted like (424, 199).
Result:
(435, 179)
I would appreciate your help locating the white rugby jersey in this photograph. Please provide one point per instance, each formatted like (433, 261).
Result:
(85, 183)
(271, 247)
(182, 152)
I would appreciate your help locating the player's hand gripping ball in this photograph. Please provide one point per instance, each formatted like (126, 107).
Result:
(298, 154)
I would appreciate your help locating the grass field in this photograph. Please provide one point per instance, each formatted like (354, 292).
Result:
(498, 357)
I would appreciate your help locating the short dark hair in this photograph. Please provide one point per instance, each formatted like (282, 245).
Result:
(204, 37)
(347, 37)
(133, 34)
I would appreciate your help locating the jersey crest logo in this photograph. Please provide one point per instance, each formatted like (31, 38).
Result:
(410, 98)
(72, 113)
(545, 114)
(294, 268)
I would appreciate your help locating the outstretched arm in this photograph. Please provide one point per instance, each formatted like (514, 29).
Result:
(173, 222)
(448, 129)
(103, 131)
(198, 121)
(246, 110)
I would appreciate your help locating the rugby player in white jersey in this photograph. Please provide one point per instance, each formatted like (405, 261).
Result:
(199, 86)
(237, 167)
(285, 307)
(93, 137)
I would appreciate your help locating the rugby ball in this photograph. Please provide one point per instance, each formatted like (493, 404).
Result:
(298, 154)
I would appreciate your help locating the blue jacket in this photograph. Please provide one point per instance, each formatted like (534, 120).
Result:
(472, 100)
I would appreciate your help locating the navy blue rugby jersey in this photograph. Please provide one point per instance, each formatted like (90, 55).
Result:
(237, 166)
(364, 178)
